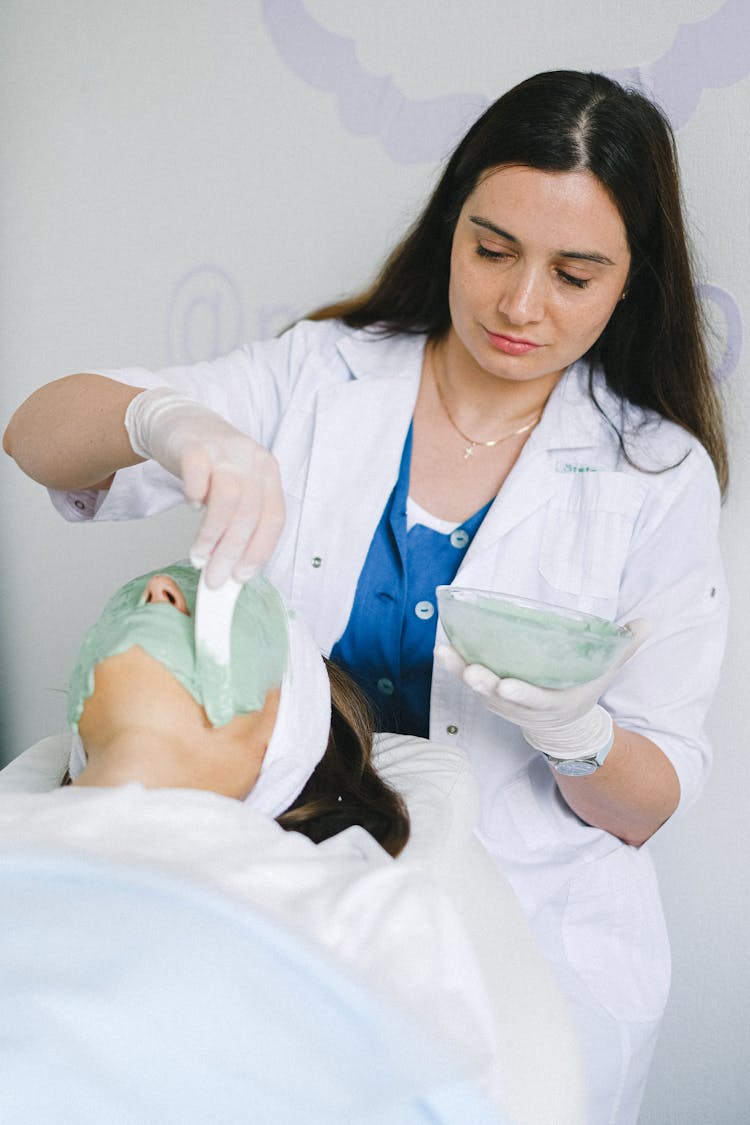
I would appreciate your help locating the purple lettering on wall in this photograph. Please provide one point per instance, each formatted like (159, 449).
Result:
(732, 334)
(273, 319)
(205, 316)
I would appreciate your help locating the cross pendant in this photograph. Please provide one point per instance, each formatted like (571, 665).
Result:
(468, 452)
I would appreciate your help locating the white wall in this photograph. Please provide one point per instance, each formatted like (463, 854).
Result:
(180, 176)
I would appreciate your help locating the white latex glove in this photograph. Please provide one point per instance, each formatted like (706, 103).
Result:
(233, 477)
(564, 722)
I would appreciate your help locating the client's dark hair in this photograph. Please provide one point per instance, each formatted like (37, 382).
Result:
(345, 788)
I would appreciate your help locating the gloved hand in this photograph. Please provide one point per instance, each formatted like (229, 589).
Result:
(564, 722)
(233, 477)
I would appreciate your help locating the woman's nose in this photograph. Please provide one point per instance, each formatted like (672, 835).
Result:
(162, 588)
(522, 298)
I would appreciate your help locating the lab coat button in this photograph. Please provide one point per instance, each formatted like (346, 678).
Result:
(317, 561)
(452, 728)
(385, 686)
(424, 610)
(459, 538)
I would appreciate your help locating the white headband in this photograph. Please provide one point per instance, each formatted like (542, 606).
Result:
(303, 722)
(300, 735)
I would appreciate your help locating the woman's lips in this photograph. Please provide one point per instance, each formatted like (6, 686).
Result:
(511, 345)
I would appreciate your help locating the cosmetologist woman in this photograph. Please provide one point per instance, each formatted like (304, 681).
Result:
(521, 402)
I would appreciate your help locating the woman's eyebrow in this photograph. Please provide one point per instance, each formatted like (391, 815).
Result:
(495, 229)
(587, 256)
(577, 255)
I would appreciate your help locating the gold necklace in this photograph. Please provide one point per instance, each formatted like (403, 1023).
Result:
(469, 450)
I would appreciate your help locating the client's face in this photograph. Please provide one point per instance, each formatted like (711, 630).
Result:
(156, 613)
(136, 696)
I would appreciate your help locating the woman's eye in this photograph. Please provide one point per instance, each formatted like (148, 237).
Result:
(495, 255)
(569, 279)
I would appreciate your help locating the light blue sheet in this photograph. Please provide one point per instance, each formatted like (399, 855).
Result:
(128, 997)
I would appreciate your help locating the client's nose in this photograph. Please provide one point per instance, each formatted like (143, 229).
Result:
(162, 588)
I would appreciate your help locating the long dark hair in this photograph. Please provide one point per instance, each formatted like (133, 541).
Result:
(653, 349)
(344, 788)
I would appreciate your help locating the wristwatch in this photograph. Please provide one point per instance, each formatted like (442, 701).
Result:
(580, 767)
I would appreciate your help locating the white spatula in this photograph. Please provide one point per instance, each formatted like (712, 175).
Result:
(214, 610)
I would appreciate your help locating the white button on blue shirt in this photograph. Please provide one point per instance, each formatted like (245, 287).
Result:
(385, 686)
(424, 610)
(459, 538)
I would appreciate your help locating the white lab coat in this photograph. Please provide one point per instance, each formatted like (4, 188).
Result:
(574, 525)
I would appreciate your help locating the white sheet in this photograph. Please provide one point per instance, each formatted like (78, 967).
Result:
(132, 997)
(439, 929)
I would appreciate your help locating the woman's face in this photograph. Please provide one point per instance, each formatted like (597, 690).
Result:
(136, 695)
(539, 261)
(154, 615)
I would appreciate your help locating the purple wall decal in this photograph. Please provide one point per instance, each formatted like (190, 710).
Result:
(710, 54)
(729, 359)
(273, 319)
(205, 316)
(412, 131)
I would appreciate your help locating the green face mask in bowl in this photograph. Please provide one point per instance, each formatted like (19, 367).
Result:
(528, 640)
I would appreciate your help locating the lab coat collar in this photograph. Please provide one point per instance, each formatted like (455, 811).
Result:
(572, 429)
(570, 420)
(369, 353)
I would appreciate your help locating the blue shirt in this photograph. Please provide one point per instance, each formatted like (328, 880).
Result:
(389, 640)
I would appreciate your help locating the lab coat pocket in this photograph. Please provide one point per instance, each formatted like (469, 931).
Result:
(587, 532)
(615, 937)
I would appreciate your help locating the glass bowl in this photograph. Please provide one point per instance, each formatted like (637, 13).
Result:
(541, 644)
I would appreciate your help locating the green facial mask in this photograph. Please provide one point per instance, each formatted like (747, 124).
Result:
(259, 643)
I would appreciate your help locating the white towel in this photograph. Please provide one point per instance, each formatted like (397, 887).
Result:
(303, 723)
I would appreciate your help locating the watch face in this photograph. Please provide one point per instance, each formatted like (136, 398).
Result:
(577, 768)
